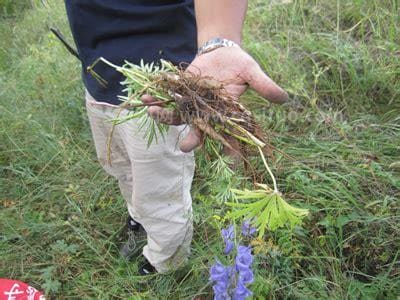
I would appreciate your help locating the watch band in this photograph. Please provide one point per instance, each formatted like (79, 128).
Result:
(215, 43)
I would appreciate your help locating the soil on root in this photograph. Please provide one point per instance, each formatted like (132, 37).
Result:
(204, 103)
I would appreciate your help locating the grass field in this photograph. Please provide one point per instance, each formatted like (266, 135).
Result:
(61, 216)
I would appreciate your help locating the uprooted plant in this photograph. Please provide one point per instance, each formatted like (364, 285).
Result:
(203, 103)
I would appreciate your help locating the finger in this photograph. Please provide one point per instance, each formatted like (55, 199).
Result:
(191, 140)
(163, 115)
(265, 86)
(147, 99)
(160, 114)
(151, 101)
(235, 90)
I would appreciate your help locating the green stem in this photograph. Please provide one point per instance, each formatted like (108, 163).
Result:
(108, 63)
(269, 170)
(247, 141)
(247, 133)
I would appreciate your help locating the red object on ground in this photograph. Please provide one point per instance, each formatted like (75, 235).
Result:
(17, 290)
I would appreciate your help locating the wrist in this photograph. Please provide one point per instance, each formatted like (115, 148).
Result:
(214, 44)
(203, 37)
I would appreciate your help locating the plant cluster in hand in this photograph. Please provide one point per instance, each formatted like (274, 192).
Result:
(199, 101)
(203, 102)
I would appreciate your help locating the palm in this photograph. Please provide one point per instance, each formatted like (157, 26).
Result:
(236, 70)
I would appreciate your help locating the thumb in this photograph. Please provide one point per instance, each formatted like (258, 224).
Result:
(191, 140)
(264, 85)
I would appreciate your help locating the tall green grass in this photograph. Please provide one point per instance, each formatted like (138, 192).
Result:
(61, 217)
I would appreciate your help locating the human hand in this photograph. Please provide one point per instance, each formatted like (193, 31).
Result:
(236, 70)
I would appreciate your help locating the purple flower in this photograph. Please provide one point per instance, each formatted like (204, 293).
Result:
(219, 272)
(244, 258)
(223, 296)
(220, 275)
(246, 276)
(228, 247)
(247, 229)
(220, 288)
(228, 235)
(241, 292)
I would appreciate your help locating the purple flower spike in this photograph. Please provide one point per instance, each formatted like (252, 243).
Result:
(241, 292)
(228, 235)
(247, 229)
(230, 282)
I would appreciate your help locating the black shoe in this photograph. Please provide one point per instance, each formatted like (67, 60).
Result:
(133, 225)
(136, 239)
(147, 269)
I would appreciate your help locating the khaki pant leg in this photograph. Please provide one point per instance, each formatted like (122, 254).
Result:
(162, 177)
(99, 118)
(156, 187)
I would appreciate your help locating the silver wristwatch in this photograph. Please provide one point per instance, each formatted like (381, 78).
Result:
(215, 43)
